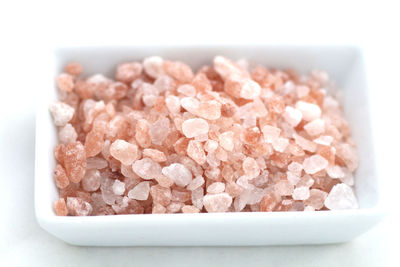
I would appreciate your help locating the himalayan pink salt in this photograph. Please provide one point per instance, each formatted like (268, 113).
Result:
(196, 183)
(190, 209)
(292, 116)
(154, 154)
(306, 181)
(62, 113)
(161, 195)
(269, 202)
(194, 127)
(197, 197)
(173, 104)
(190, 104)
(78, 207)
(325, 140)
(314, 164)
(216, 188)
(123, 151)
(341, 197)
(159, 130)
(60, 208)
(75, 161)
(348, 178)
(280, 144)
(153, 66)
(305, 143)
(94, 140)
(179, 71)
(301, 193)
(178, 173)
(295, 168)
(187, 90)
(250, 89)
(226, 140)
(164, 181)
(60, 177)
(96, 163)
(67, 134)
(140, 191)
(118, 187)
(284, 188)
(158, 209)
(315, 127)
(335, 171)
(174, 207)
(146, 168)
(217, 202)
(316, 199)
(73, 68)
(270, 133)
(209, 110)
(292, 177)
(142, 133)
(128, 72)
(302, 91)
(65, 82)
(91, 181)
(310, 111)
(196, 152)
(181, 195)
(251, 168)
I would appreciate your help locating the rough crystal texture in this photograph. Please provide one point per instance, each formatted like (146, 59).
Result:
(160, 137)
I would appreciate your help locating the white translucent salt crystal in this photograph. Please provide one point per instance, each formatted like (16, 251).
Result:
(295, 168)
(159, 130)
(306, 181)
(216, 188)
(335, 171)
(210, 146)
(217, 202)
(255, 196)
(146, 168)
(301, 193)
(194, 127)
(314, 164)
(325, 140)
(270, 133)
(348, 178)
(140, 191)
(118, 187)
(341, 197)
(191, 104)
(226, 140)
(250, 168)
(302, 91)
(315, 127)
(163, 83)
(149, 100)
(173, 104)
(292, 177)
(62, 113)
(195, 183)
(178, 173)
(67, 134)
(305, 143)
(243, 181)
(91, 181)
(250, 89)
(280, 144)
(292, 116)
(310, 111)
(187, 90)
(153, 66)
(197, 197)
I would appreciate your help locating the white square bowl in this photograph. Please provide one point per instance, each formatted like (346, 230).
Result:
(346, 67)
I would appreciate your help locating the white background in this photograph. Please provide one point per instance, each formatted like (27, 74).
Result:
(29, 29)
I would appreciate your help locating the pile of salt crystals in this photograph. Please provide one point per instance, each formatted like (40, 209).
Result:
(162, 139)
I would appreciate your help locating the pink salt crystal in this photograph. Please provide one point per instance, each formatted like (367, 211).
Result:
(94, 140)
(123, 151)
(250, 168)
(348, 154)
(118, 187)
(65, 82)
(173, 104)
(78, 207)
(194, 127)
(142, 133)
(315, 127)
(154, 154)
(178, 173)
(153, 66)
(60, 208)
(295, 168)
(174, 207)
(91, 181)
(280, 144)
(127, 72)
(226, 140)
(309, 208)
(348, 178)
(301, 193)
(217, 202)
(187, 90)
(316, 199)
(306, 181)
(325, 140)
(196, 152)
(250, 89)
(226, 67)
(181, 195)
(161, 195)
(179, 71)
(140, 191)
(62, 113)
(209, 110)
(164, 181)
(195, 183)
(341, 197)
(75, 161)
(67, 134)
(60, 177)
(270, 133)
(284, 188)
(310, 111)
(262, 179)
(73, 68)
(96, 163)
(302, 91)
(158, 209)
(335, 171)
(292, 116)
(197, 197)
(216, 188)
(269, 202)
(147, 168)
(190, 209)
(292, 178)
(191, 104)
(314, 164)
(305, 143)
(233, 189)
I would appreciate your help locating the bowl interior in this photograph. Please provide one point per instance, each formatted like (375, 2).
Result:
(344, 65)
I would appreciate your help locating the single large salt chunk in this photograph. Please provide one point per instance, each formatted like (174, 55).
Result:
(62, 113)
(173, 104)
(140, 191)
(314, 164)
(153, 66)
(194, 127)
(280, 144)
(123, 151)
(292, 116)
(178, 173)
(301, 193)
(91, 181)
(315, 127)
(146, 168)
(196, 152)
(217, 202)
(270, 133)
(118, 187)
(159, 130)
(67, 134)
(226, 140)
(341, 197)
(75, 161)
(250, 89)
(310, 111)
